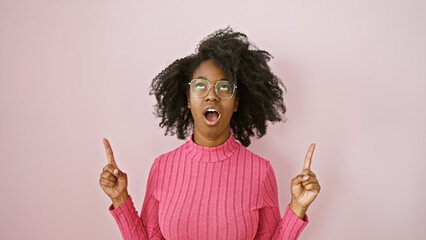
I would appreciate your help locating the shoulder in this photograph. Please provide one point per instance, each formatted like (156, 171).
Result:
(170, 155)
(258, 161)
(253, 156)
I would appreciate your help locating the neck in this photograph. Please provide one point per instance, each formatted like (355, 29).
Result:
(210, 141)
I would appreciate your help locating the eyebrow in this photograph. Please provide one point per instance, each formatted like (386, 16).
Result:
(201, 77)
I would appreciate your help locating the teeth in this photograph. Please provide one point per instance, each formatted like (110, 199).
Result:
(211, 110)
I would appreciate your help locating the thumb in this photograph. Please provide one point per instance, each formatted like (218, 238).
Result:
(118, 173)
(299, 179)
(121, 178)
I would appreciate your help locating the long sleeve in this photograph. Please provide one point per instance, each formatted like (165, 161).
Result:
(198, 192)
(271, 225)
(145, 226)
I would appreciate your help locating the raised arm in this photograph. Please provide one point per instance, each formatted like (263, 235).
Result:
(304, 187)
(114, 183)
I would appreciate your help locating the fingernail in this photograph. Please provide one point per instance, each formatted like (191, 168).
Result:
(116, 171)
(305, 177)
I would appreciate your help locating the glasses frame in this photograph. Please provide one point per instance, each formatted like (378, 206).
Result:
(210, 85)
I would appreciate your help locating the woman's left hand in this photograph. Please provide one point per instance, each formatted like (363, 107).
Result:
(304, 187)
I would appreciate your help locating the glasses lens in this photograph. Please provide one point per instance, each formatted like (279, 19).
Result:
(199, 87)
(224, 89)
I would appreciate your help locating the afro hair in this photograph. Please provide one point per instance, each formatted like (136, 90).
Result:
(259, 92)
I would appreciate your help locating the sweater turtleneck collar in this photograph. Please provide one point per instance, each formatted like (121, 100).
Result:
(212, 154)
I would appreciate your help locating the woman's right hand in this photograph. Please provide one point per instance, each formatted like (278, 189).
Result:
(112, 180)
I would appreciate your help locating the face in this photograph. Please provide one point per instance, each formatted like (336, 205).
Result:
(209, 125)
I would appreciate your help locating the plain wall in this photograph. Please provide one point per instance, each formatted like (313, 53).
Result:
(73, 72)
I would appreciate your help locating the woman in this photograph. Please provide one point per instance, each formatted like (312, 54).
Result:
(212, 187)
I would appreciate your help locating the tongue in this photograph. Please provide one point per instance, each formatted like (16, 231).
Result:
(212, 116)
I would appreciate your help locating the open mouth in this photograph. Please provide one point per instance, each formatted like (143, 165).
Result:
(212, 116)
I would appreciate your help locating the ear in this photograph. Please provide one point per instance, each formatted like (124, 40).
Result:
(189, 103)
(236, 104)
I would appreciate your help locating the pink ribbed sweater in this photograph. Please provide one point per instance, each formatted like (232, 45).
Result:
(197, 192)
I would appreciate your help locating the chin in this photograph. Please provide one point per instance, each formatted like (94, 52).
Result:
(213, 131)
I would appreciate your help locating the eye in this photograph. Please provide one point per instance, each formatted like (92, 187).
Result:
(224, 86)
(200, 86)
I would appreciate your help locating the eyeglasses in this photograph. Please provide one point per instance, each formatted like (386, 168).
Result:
(224, 89)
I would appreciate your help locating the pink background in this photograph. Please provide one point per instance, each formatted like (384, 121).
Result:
(73, 72)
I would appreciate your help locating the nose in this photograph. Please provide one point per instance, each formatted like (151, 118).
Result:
(211, 95)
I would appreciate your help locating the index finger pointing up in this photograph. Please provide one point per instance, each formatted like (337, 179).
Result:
(308, 158)
(109, 153)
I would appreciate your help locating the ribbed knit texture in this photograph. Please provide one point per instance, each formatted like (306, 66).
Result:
(197, 192)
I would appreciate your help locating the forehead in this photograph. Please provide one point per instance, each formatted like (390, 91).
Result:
(210, 71)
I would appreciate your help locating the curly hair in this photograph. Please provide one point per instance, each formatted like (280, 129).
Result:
(259, 92)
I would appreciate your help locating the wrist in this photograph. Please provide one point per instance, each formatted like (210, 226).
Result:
(116, 202)
(298, 210)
